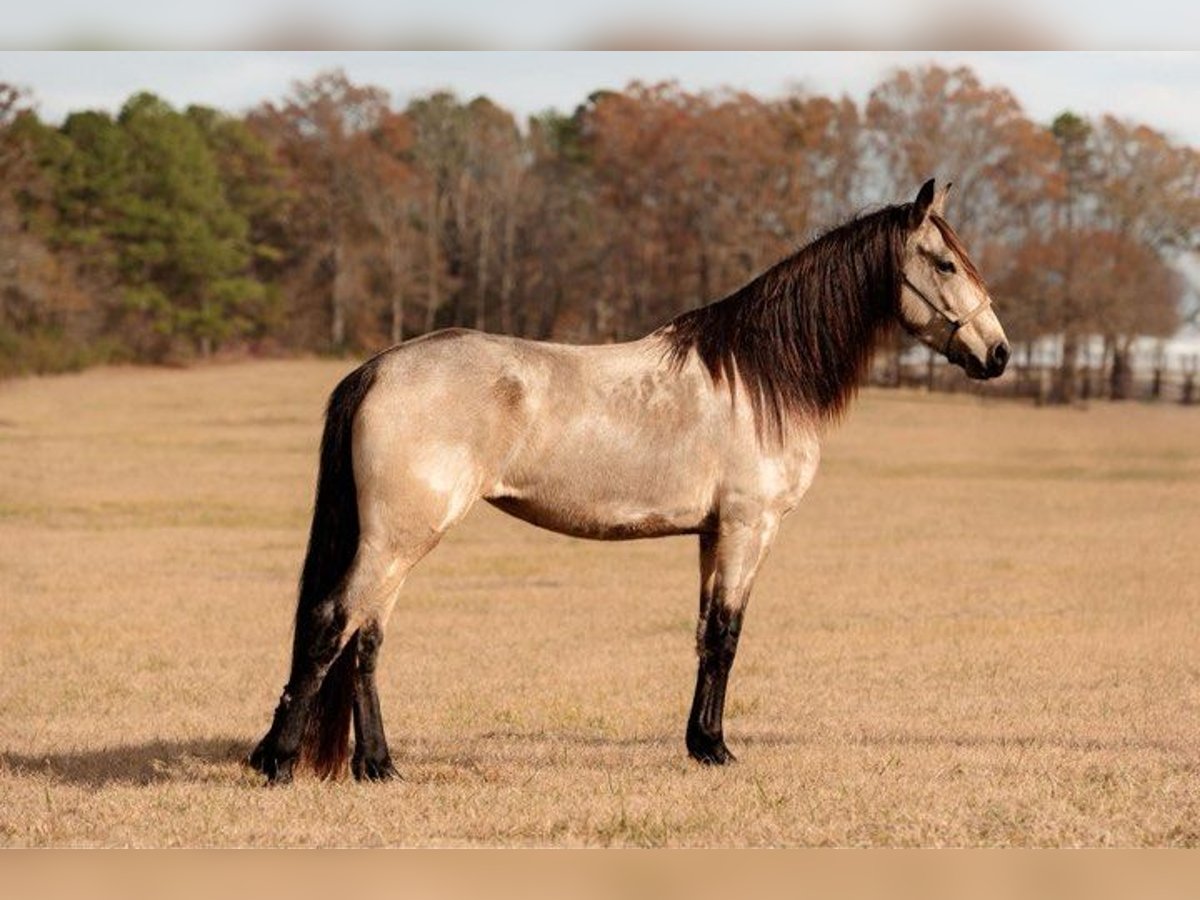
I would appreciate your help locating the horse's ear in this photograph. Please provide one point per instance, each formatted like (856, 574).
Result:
(920, 207)
(939, 200)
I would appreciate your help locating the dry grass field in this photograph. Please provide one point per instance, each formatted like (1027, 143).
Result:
(982, 627)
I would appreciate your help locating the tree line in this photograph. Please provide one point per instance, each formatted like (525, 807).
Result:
(334, 221)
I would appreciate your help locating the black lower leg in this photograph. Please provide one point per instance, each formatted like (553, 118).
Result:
(718, 639)
(314, 650)
(371, 761)
(271, 756)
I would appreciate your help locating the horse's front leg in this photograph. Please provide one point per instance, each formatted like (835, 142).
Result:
(729, 561)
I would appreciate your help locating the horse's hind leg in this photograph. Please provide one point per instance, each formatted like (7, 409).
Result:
(321, 635)
(333, 639)
(410, 515)
(371, 761)
(431, 516)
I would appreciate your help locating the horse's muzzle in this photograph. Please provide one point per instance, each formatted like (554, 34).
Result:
(997, 359)
(982, 370)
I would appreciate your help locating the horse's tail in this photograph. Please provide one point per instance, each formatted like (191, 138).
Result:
(332, 544)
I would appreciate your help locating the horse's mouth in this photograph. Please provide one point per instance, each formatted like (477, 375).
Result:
(975, 369)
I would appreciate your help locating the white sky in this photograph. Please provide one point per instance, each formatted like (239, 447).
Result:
(1161, 88)
(557, 23)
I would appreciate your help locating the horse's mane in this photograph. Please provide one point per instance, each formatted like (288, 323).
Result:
(800, 335)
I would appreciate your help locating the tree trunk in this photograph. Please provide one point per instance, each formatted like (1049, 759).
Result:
(507, 277)
(433, 238)
(623, 330)
(337, 318)
(461, 250)
(1188, 395)
(397, 292)
(705, 274)
(1160, 360)
(485, 247)
(1066, 386)
(1121, 376)
(1024, 370)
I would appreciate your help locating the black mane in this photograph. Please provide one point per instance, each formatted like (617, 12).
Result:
(800, 335)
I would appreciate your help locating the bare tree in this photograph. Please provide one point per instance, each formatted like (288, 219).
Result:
(325, 128)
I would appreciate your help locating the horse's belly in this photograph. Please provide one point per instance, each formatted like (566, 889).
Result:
(606, 522)
(608, 466)
(609, 498)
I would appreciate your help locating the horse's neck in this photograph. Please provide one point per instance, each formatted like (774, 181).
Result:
(842, 349)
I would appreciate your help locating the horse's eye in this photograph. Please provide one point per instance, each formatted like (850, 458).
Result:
(944, 265)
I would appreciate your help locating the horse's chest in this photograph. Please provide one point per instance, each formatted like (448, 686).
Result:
(776, 481)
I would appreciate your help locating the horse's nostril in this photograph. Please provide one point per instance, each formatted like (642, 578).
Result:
(999, 357)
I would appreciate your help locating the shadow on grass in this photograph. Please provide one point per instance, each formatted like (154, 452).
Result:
(210, 759)
(153, 762)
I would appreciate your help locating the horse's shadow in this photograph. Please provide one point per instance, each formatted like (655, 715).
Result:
(219, 759)
(152, 762)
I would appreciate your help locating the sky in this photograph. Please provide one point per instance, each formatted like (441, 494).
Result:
(1160, 88)
(575, 23)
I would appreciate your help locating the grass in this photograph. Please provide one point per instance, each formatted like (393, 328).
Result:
(981, 628)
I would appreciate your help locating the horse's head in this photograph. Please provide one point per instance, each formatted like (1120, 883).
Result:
(943, 301)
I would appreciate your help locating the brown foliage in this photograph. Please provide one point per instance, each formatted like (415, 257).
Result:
(647, 202)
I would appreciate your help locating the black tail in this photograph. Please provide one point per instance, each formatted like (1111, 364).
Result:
(332, 543)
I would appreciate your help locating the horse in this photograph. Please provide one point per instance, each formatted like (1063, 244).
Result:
(710, 426)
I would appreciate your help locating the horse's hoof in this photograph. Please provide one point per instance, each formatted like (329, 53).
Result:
(374, 769)
(257, 759)
(713, 753)
(279, 771)
(264, 759)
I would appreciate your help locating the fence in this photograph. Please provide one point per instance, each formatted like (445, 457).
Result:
(1167, 383)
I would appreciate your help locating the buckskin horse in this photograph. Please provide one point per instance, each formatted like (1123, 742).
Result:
(710, 425)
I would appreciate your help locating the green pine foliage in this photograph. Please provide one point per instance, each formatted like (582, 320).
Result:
(166, 216)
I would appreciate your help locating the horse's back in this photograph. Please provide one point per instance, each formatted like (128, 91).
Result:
(459, 377)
